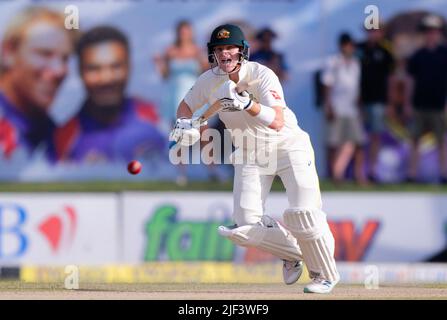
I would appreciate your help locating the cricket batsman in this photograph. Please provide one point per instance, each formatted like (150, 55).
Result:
(260, 112)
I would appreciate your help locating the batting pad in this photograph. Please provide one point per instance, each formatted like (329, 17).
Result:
(315, 239)
(273, 239)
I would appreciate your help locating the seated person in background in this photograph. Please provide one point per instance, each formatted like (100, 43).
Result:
(110, 126)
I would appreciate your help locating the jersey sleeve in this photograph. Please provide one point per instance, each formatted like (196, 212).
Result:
(270, 90)
(197, 96)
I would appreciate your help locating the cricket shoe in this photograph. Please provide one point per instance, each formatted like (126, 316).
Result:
(319, 285)
(291, 271)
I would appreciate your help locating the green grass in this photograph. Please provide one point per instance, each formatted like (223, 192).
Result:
(118, 186)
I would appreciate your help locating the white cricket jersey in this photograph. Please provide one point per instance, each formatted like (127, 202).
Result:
(267, 92)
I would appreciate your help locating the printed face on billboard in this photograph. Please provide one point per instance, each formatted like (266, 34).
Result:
(104, 71)
(38, 63)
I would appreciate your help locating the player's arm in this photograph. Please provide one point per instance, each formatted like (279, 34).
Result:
(277, 115)
(269, 109)
(187, 130)
(183, 110)
(268, 113)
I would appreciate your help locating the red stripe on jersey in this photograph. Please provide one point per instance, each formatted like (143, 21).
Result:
(8, 137)
(65, 137)
(146, 111)
(275, 94)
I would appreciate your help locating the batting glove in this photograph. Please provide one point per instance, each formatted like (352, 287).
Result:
(234, 101)
(186, 131)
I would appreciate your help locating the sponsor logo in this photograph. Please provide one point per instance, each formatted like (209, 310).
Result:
(353, 244)
(170, 239)
(59, 228)
(167, 238)
(13, 241)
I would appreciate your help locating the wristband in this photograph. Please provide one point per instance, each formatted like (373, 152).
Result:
(249, 105)
(266, 115)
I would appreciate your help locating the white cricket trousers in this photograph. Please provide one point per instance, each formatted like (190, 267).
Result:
(298, 173)
(303, 218)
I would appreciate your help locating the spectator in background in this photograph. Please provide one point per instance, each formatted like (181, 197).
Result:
(249, 31)
(110, 125)
(428, 68)
(34, 63)
(377, 63)
(341, 78)
(266, 55)
(179, 65)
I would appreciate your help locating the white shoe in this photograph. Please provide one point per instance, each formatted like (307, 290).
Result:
(291, 271)
(319, 285)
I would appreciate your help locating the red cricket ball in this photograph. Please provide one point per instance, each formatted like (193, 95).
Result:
(134, 167)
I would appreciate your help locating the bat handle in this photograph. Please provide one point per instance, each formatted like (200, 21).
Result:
(202, 120)
(240, 90)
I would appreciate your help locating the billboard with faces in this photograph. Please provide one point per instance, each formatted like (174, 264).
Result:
(87, 86)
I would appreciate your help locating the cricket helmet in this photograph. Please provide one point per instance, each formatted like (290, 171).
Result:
(228, 34)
